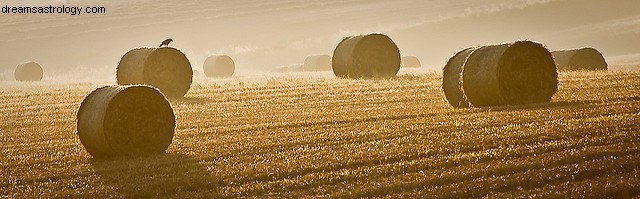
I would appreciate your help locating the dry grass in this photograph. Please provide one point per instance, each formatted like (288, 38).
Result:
(339, 138)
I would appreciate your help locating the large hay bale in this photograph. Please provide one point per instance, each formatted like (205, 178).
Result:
(410, 62)
(28, 71)
(509, 74)
(580, 59)
(219, 66)
(371, 55)
(317, 63)
(452, 79)
(166, 68)
(125, 120)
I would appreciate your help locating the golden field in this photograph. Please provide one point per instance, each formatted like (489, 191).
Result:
(343, 138)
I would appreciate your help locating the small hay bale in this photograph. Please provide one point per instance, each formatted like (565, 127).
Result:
(166, 68)
(295, 68)
(219, 66)
(516, 73)
(410, 62)
(125, 121)
(281, 69)
(369, 56)
(317, 63)
(452, 79)
(579, 59)
(28, 71)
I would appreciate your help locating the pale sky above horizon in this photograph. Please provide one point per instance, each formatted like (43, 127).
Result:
(262, 35)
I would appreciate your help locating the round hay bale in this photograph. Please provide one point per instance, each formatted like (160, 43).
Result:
(509, 74)
(28, 71)
(166, 68)
(219, 66)
(281, 69)
(371, 55)
(580, 59)
(451, 79)
(410, 62)
(125, 120)
(317, 63)
(295, 68)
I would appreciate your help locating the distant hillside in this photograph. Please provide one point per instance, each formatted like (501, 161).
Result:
(261, 35)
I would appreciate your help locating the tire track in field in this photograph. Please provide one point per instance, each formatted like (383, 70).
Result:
(618, 185)
(447, 128)
(622, 185)
(539, 177)
(442, 165)
(453, 177)
(326, 169)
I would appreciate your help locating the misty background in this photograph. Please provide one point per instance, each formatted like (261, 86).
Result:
(263, 35)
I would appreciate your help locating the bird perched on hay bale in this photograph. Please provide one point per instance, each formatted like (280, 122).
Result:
(166, 42)
(165, 68)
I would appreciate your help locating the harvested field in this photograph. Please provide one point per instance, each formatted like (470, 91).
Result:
(338, 137)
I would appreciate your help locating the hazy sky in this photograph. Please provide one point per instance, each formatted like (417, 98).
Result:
(261, 35)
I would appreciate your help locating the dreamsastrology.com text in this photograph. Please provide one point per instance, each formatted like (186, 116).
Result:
(72, 10)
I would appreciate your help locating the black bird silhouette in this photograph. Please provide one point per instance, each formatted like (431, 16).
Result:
(166, 42)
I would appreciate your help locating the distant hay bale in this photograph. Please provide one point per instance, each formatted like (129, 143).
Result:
(125, 120)
(28, 71)
(317, 63)
(295, 68)
(580, 59)
(509, 74)
(452, 79)
(166, 68)
(219, 66)
(281, 69)
(410, 62)
(289, 69)
(370, 55)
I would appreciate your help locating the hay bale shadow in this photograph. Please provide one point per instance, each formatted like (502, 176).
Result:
(188, 100)
(538, 106)
(402, 77)
(158, 175)
(410, 77)
(564, 104)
